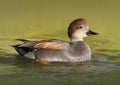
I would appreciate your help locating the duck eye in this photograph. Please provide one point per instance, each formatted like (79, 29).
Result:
(81, 27)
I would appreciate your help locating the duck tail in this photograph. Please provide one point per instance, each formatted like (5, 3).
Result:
(19, 49)
(24, 51)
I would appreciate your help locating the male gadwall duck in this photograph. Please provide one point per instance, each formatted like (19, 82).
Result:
(53, 50)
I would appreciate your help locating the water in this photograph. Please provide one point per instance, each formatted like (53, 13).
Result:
(36, 19)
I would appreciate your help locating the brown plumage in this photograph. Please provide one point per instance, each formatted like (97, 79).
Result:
(50, 44)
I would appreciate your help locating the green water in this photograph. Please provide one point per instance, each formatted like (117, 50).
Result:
(36, 19)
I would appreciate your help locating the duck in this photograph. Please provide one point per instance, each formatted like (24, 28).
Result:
(54, 50)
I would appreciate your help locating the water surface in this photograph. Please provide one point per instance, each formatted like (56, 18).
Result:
(36, 19)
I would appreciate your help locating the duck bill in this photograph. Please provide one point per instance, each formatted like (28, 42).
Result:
(91, 33)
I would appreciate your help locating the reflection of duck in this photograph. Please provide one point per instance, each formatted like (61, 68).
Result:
(53, 50)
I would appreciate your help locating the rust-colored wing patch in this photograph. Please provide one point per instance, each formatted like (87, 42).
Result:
(51, 45)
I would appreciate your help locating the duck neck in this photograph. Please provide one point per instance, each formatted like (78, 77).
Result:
(76, 40)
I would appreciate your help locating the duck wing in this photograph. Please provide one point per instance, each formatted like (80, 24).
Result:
(50, 44)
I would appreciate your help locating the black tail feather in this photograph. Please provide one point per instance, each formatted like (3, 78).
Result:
(23, 40)
(22, 50)
(15, 45)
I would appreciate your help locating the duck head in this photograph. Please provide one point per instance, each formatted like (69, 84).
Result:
(79, 29)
